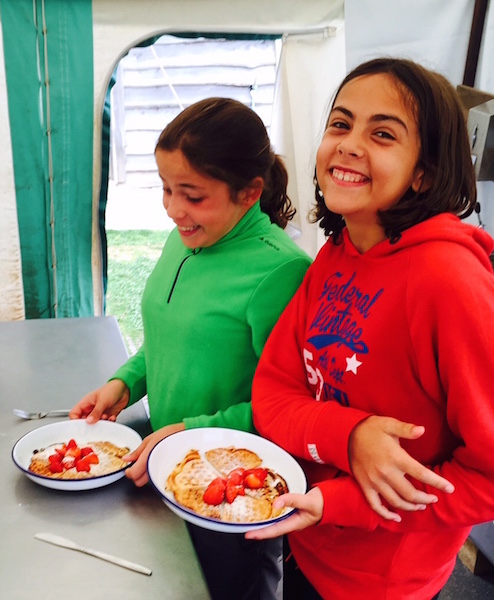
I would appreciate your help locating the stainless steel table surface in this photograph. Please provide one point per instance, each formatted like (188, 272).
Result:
(52, 363)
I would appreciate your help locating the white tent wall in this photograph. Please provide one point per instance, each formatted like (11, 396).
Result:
(299, 109)
(434, 32)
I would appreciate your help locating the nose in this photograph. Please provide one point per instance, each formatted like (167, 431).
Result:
(351, 145)
(173, 206)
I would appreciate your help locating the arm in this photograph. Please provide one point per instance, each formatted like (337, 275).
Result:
(343, 502)
(133, 373)
(452, 335)
(283, 393)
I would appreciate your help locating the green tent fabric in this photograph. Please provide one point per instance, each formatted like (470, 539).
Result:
(50, 93)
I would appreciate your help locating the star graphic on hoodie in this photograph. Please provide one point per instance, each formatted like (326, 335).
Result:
(352, 364)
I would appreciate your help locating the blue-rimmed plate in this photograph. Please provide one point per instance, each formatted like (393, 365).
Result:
(172, 450)
(83, 433)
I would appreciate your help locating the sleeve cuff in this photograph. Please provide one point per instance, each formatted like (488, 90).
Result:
(345, 505)
(331, 434)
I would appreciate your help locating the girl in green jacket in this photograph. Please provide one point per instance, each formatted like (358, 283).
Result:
(226, 273)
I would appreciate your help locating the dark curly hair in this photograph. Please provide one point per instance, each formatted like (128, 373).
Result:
(444, 151)
(226, 140)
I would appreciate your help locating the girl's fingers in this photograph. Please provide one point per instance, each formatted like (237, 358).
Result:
(272, 531)
(425, 475)
(400, 493)
(400, 429)
(375, 501)
(309, 509)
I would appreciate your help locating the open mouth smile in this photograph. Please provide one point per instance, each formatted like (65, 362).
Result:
(348, 176)
(186, 230)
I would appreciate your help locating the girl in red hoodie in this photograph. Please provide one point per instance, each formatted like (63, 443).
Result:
(394, 318)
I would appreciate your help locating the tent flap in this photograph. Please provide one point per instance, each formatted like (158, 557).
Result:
(50, 96)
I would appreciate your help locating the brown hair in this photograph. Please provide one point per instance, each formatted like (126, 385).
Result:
(226, 140)
(444, 151)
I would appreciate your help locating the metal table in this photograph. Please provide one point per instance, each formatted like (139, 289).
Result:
(52, 363)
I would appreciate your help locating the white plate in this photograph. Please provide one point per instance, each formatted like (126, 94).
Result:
(82, 433)
(169, 452)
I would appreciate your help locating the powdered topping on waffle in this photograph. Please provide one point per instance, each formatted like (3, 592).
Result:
(225, 460)
(247, 509)
(228, 484)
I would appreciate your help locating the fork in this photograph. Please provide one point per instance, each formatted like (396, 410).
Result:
(24, 414)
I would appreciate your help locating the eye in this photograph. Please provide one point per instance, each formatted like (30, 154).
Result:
(166, 190)
(338, 124)
(385, 135)
(194, 200)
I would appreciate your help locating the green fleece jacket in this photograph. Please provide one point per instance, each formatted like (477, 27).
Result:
(207, 314)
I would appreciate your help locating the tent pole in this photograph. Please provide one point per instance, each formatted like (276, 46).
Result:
(476, 32)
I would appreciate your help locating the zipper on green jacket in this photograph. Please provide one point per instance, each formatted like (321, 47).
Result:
(194, 252)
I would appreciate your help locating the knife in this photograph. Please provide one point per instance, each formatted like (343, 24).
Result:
(65, 543)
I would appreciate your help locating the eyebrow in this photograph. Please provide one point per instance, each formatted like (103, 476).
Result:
(185, 186)
(189, 186)
(375, 118)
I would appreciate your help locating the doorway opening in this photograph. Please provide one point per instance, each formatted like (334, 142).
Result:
(152, 84)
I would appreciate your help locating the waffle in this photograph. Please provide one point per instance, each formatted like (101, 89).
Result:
(191, 477)
(225, 460)
(109, 456)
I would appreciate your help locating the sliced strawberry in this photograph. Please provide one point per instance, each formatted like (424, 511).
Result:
(56, 467)
(236, 477)
(215, 492)
(68, 462)
(86, 450)
(83, 465)
(74, 452)
(232, 491)
(71, 444)
(255, 478)
(91, 459)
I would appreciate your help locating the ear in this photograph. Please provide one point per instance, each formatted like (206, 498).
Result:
(421, 181)
(251, 193)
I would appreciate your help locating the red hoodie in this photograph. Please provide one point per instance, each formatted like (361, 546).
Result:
(404, 330)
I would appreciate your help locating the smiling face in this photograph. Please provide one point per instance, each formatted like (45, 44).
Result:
(201, 207)
(368, 156)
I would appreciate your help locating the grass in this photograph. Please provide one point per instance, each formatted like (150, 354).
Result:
(132, 255)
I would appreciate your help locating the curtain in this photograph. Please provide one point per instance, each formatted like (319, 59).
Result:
(311, 68)
(49, 76)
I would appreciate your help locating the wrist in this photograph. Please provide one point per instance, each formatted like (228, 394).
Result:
(121, 389)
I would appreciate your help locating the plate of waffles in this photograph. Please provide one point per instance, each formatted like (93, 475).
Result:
(75, 455)
(224, 479)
